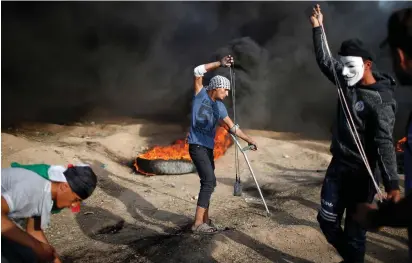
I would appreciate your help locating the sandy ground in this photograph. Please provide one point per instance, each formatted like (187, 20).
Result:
(134, 218)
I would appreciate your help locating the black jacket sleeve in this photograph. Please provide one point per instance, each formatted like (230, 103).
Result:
(409, 133)
(384, 118)
(325, 62)
(392, 214)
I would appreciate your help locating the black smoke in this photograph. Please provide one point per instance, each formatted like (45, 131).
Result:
(63, 60)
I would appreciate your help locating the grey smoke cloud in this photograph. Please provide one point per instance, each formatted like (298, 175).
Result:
(62, 60)
(290, 93)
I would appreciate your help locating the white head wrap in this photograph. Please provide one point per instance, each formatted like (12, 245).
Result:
(218, 82)
(56, 172)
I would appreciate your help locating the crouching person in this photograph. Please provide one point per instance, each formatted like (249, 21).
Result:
(31, 193)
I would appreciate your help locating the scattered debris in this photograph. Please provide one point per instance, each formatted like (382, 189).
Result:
(253, 200)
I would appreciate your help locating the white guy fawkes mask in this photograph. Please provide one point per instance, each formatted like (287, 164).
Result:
(353, 69)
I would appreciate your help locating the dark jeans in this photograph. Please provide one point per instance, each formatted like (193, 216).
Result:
(343, 188)
(12, 252)
(408, 189)
(202, 158)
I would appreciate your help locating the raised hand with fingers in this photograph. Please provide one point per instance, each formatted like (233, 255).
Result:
(317, 17)
(227, 61)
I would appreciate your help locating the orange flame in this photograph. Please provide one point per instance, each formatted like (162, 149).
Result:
(179, 150)
(399, 144)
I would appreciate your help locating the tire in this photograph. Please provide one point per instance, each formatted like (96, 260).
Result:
(165, 167)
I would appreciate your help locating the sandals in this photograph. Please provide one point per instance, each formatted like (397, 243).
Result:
(210, 223)
(204, 229)
(219, 228)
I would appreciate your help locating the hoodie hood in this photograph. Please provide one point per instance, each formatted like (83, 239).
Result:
(385, 80)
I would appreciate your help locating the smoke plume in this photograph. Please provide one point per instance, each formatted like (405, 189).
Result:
(63, 60)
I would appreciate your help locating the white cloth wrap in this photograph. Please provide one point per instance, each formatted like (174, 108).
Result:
(199, 71)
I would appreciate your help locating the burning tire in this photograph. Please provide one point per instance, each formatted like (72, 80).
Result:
(174, 159)
(165, 167)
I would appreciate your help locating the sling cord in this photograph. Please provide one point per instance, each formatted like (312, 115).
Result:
(232, 80)
(347, 113)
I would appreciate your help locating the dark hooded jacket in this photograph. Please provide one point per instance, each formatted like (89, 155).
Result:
(373, 111)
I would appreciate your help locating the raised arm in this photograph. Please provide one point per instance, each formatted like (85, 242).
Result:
(325, 62)
(200, 70)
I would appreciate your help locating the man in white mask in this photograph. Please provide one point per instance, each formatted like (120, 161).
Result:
(369, 96)
(356, 64)
(353, 69)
